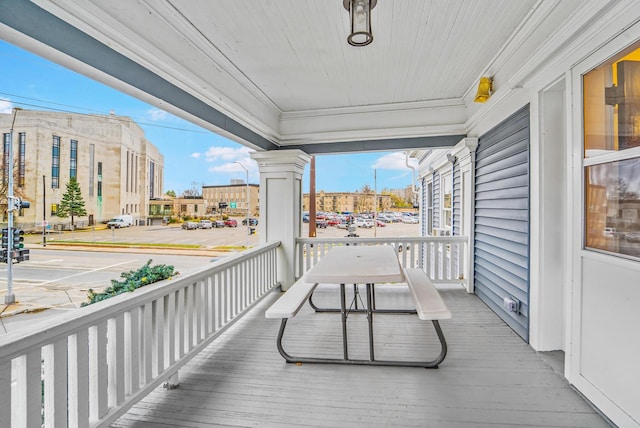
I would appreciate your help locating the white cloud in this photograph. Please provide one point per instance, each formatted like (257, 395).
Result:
(157, 115)
(394, 161)
(6, 106)
(227, 154)
(196, 155)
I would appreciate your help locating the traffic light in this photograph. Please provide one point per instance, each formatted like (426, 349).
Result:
(3, 256)
(18, 239)
(17, 204)
(5, 238)
(22, 255)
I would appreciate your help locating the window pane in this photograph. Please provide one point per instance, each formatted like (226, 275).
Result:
(613, 207)
(612, 104)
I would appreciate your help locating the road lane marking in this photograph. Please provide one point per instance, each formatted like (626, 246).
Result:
(46, 261)
(83, 273)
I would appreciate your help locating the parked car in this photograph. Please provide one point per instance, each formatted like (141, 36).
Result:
(219, 223)
(380, 224)
(205, 224)
(252, 221)
(321, 224)
(384, 218)
(363, 223)
(305, 218)
(231, 223)
(410, 220)
(343, 225)
(189, 225)
(333, 222)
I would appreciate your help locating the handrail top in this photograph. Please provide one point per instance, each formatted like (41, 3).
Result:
(15, 343)
(391, 239)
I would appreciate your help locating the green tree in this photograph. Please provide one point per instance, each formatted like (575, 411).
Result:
(171, 193)
(72, 204)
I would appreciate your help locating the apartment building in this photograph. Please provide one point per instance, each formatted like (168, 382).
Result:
(347, 202)
(117, 168)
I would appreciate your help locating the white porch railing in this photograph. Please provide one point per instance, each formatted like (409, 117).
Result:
(87, 368)
(442, 258)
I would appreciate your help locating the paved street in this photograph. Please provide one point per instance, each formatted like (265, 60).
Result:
(56, 278)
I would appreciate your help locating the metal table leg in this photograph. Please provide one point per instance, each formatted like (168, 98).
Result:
(343, 310)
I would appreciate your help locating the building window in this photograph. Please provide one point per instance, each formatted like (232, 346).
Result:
(73, 159)
(99, 189)
(99, 170)
(55, 163)
(429, 204)
(152, 171)
(54, 209)
(611, 156)
(92, 154)
(446, 200)
(195, 208)
(22, 148)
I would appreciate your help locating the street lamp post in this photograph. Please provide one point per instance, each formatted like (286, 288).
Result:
(248, 203)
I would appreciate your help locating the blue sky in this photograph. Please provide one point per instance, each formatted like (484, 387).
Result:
(192, 155)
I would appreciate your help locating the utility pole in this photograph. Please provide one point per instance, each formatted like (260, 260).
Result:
(10, 298)
(375, 203)
(44, 212)
(248, 204)
(312, 197)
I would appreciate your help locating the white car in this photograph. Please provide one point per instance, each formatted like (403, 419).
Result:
(363, 223)
(205, 224)
(410, 220)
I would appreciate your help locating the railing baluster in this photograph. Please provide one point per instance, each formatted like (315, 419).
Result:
(147, 340)
(55, 384)
(5, 393)
(78, 357)
(132, 346)
(98, 371)
(208, 305)
(29, 389)
(115, 356)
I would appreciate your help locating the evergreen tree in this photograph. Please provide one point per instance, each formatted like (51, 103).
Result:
(72, 204)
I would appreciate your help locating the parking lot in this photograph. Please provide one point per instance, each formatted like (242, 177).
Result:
(210, 238)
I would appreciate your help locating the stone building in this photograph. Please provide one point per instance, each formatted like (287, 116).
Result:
(232, 198)
(117, 168)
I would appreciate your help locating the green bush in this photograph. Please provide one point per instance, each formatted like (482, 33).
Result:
(132, 280)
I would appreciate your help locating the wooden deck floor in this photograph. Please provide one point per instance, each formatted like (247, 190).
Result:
(490, 377)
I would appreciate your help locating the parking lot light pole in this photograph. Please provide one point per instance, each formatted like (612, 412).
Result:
(248, 203)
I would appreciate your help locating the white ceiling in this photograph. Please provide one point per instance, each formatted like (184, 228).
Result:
(283, 70)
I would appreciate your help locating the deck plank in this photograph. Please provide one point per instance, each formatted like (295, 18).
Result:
(490, 378)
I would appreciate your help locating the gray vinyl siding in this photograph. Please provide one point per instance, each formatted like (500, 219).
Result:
(423, 204)
(436, 201)
(457, 200)
(501, 236)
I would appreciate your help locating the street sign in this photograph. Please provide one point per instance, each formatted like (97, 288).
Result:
(232, 205)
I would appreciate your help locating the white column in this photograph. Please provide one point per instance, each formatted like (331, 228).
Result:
(281, 205)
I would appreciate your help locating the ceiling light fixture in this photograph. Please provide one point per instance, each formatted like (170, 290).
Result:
(485, 89)
(360, 17)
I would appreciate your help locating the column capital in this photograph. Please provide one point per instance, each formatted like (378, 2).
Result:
(281, 160)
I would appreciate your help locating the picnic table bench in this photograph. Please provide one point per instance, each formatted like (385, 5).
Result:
(428, 303)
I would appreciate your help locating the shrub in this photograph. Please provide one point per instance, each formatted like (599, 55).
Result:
(132, 280)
